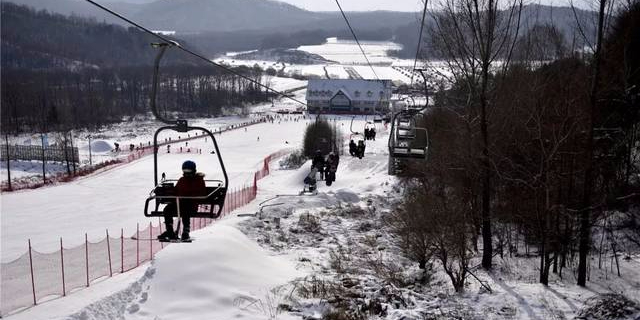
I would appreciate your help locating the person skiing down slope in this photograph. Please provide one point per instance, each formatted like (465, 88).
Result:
(331, 168)
(318, 163)
(191, 184)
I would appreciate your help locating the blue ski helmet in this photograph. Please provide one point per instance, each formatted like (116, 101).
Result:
(189, 167)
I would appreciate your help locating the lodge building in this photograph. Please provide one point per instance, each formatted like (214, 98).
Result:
(348, 96)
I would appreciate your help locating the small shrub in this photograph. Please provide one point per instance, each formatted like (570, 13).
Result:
(309, 223)
(293, 161)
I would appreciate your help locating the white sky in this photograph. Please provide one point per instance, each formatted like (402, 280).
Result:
(393, 5)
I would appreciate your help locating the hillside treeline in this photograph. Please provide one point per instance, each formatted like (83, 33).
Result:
(39, 40)
(529, 159)
(62, 99)
(61, 73)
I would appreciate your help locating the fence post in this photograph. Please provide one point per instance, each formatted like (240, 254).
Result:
(109, 254)
(160, 226)
(33, 282)
(121, 250)
(64, 289)
(137, 244)
(86, 255)
(150, 241)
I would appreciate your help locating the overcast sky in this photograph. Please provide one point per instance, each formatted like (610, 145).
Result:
(395, 5)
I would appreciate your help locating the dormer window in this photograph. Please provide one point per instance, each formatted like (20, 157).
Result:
(369, 93)
(357, 93)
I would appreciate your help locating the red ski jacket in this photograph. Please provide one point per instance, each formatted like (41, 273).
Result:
(191, 186)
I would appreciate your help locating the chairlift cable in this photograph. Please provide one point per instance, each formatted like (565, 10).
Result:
(356, 38)
(415, 61)
(191, 52)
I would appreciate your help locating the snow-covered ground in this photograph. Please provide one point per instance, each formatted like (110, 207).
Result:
(115, 199)
(301, 258)
(347, 51)
(345, 55)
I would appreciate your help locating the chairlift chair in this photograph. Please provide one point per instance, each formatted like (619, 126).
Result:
(209, 205)
(407, 139)
(163, 193)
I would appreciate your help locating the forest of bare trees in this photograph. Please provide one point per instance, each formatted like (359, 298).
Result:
(534, 145)
(62, 99)
(61, 73)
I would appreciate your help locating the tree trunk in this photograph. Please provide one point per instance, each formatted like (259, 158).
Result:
(585, 216)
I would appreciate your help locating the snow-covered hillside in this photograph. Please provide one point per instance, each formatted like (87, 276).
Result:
(283, 256)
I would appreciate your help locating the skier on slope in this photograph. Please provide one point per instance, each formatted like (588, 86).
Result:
(191, 184)
(318, 162)
(331, 168)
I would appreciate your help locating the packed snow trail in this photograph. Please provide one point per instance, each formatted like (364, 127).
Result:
(115, 199)
(206, 279)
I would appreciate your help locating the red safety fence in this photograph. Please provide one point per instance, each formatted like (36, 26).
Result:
(137, 153)
(35, 276)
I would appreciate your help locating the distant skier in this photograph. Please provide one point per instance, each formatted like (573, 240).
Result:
(361, 147)
(366, 133)
(331, 168)
(191, 184)
(353, 148)
(372, 133)
(318, 163)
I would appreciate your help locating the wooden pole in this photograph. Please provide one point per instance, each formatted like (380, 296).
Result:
(6, 141)
(90, 162)
(44, 161)
(86, 255)
(33, 282)
(64, 289)
(109, 254)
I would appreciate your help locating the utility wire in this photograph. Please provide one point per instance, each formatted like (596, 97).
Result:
(355, 37)
(415, 61)
(167, 40)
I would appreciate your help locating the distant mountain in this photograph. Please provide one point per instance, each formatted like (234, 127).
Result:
(195, 16)
(562, 18)
(188, 16)
(81, 8)
(41, 40)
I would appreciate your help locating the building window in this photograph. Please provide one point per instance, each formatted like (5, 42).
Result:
(357, 93)
(369, 93)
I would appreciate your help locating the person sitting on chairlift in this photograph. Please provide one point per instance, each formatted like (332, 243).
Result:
(361, 148)
(353, 148)
(191, 184)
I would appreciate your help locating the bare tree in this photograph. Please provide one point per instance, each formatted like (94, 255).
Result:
(476, 37)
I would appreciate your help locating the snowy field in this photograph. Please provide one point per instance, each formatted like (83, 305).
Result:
(347, 62)
(115, 199)
(266, 266)
(342, 51)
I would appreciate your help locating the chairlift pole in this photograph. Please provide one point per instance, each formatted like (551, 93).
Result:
(156, 67)
(426, 87)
